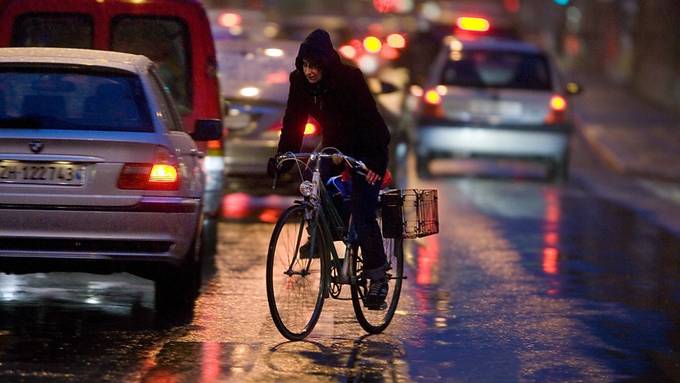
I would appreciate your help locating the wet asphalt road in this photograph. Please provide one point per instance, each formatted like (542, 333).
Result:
(527, 281)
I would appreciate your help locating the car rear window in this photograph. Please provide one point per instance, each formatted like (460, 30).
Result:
(61, 98)
(497, 69)
(52, 30)
(164, 40)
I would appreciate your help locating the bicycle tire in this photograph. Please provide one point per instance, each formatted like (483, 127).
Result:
(376, 321)
(295, 298)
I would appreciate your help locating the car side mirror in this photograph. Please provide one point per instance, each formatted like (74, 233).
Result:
(573, 88)
(207, 130)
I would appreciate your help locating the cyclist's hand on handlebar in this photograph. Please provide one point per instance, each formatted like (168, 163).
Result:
(372, 177)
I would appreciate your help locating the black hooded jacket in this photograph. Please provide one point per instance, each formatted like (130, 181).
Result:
(342, 104)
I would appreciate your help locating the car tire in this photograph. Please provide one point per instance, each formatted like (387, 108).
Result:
(422, 167)
(177, 288)
(209, 237)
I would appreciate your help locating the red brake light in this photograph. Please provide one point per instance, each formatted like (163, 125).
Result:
(311, 127)
(432, 97)
(160, 175)
(473, 24)
(432, 105)
(558, 103)
(372, 44)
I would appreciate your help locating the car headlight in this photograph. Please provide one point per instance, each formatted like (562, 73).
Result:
(306, 188)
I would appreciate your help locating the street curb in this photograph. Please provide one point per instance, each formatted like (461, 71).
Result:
(595, 135)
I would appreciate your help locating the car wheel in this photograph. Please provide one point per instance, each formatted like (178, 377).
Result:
(422, 167)
(209, 236)
(177, 288)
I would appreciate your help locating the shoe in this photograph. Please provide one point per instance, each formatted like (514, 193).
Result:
(304, 252)
(377, 292)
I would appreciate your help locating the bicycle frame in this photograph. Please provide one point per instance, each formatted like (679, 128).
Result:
(319, 208)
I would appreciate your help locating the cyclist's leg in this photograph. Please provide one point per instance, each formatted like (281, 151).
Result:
(364, 206)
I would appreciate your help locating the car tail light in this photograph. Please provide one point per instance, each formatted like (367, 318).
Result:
(432, 102)
(558, 107)
(473, 24)
(162, 174)
(372, 44)
(311, 127)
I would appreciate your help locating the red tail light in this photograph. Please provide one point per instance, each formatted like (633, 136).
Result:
(432, 103)
(162, 174)
(558, 107)
(473, 24)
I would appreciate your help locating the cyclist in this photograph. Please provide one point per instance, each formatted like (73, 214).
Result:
(337, 96)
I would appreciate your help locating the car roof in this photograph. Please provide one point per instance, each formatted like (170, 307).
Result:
(496, 44)
(89, 57)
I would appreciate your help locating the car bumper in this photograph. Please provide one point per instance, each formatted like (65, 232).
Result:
(156, 230)
(440, 140)
(247, 157)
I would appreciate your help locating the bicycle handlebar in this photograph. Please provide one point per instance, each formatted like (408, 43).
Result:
(336, 157)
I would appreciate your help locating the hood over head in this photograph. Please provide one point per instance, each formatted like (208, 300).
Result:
(318, 46)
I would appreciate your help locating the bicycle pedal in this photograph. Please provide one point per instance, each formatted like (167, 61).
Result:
(379, 307)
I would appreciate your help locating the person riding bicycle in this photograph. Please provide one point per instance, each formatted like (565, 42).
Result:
(337, 96)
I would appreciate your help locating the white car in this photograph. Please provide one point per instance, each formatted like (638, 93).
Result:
(498, 98)
(96, 172)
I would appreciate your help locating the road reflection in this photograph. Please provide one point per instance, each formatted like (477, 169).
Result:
(243, 207)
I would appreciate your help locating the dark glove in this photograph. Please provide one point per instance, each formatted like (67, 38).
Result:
(272, 170)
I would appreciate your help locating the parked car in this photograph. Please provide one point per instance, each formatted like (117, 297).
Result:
(175, 34)
(96, 172)
(498, 98)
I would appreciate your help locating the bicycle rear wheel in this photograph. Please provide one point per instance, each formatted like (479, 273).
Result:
(371, 320)
(295, 281)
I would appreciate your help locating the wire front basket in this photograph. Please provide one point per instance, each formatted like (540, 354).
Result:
(409, 213)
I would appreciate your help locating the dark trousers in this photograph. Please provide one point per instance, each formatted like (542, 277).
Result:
(364, 206)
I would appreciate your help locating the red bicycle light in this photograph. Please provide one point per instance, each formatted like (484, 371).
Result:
(473, 24)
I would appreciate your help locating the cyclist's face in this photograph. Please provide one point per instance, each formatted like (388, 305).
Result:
(312, 72)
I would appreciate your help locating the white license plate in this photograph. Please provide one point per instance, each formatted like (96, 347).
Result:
(501, 108)
(48, 173)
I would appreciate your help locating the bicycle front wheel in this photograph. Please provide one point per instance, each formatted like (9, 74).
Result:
(294, 277)
(372, 320)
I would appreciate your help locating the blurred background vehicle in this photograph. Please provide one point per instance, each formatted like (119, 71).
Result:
(174, 34)
(491, 97)
(96, 171)
(254, 83)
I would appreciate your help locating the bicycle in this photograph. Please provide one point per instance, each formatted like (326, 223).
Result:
(300, 276)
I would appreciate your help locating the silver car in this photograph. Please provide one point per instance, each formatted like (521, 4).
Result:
(96, 172)
(254, 85)
(495, 98)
